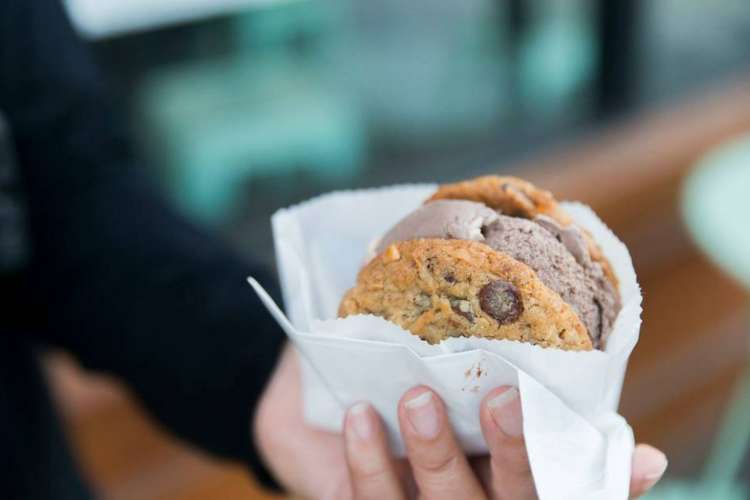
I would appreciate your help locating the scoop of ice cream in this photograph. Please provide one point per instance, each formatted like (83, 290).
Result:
(569, 236)
(558, 255)
(605, 295)
(450, 219)
(583, 286)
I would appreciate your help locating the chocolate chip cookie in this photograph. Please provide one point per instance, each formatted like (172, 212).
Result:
(441, 288)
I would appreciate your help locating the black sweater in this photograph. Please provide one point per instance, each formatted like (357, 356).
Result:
(109, 273)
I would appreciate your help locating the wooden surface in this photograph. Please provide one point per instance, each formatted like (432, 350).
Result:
(125, 456)
(693, 340)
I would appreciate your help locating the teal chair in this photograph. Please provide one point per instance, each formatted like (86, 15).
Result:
(716, 210)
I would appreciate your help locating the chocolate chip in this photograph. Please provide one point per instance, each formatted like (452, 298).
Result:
(431, 264)
(463, 308)
(449, 277)
(501, 300)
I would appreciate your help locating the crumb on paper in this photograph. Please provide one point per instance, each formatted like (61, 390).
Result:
(476, 371)
(473, 374)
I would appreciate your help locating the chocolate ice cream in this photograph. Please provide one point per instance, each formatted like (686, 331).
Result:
(455, 219)
(557, 254)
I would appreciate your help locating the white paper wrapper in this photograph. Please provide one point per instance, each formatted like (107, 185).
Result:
(578, 446)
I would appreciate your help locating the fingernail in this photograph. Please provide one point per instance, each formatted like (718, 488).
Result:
(505, 409)
(656, 468)
(423, 416)
(359, 421)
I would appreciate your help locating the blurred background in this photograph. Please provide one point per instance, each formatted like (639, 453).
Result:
(240, 107)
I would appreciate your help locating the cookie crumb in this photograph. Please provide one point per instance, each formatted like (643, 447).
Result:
(391, 254)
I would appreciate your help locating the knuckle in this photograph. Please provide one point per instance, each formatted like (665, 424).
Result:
(513, 459)
(368, 469)
(437, 465)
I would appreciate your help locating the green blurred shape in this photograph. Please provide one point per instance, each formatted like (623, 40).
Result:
(212, 126)
(289, 20)
(716, 207)
(557, 57)
(427, 73)
(688, 490)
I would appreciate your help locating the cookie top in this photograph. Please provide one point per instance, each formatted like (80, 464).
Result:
(520, 198)
(511, 195)
(438, 288)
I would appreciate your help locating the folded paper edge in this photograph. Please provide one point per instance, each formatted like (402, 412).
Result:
(293, 332)
(352, 192)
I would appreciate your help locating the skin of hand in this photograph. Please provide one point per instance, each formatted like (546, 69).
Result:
(316, 464)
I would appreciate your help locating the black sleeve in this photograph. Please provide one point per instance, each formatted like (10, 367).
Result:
(127, 286)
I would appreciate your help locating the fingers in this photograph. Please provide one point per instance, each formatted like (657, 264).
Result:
(649, 465)
(440, 468)
(502, 426)
(372, 472)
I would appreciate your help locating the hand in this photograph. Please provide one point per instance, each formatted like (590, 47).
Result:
(439, 467)
(306, 461)
(317, 464)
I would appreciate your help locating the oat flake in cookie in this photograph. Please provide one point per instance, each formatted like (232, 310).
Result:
(493, 257)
